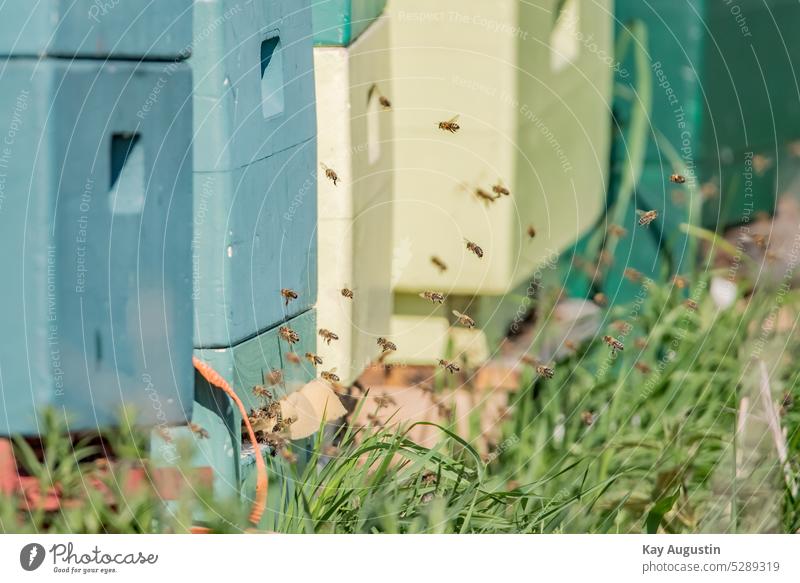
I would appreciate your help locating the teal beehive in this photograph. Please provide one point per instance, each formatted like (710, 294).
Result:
(255, 167)
(96, 28)
(95, 208)
(340, 22)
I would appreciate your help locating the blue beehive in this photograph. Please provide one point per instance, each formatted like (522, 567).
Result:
(95, 207)
(96, 28)
(255, 167)
(340, 22)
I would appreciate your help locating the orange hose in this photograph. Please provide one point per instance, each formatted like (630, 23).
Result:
(262, 483)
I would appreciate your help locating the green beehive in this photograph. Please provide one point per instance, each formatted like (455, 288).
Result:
(255, 167)
(340, 22)
(95, 208)
(129, 29)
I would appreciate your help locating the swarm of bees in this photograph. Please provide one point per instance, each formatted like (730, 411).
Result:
(677, 179)
(387, 345)
(347, 293)
(327, 335)
(613, 343)
(474, 248)
(439, 264)
(330, 174)
(450, 125)
(288, 295)
(432, 296)
(463, 319)
(647, 217)
(545, 371)
(450, 367)
(288, 335)
(313, 358)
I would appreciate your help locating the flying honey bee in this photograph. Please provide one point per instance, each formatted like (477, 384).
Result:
(450, 125)
(677, 179)
(374, 420)
(330, 174)
(428, 478)
(330, 375)
(386, 345)
(643, 368)
(474, 248)
(632, 275)
(545, 371)
(440, 265)
(385, 103)
(530, 360)
(640, 343)
(384, 401)
(680, 282)
(499, 189)
(293, 357)
(327, 335)
(288, 335)
(463, 319)
(621, 326)
(617, 231)
(313, 358)
(485, 196)
(450, 367)
(531, 232)
(605, 258)
(587, 417)
(613, 343)
(347, 293)
(600, 299)
(273, 377)
(647, 217)
(432, 296)
(690, 304)
(262, 392)
(198, 431)
(288, 295)
(570, 345)
(289, 455)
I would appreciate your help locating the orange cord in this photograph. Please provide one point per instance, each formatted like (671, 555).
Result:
(262, 483)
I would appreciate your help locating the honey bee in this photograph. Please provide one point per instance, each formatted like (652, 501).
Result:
(530, 360)
(759, 240)
(313, 358)
(690, 304)
(385, 103)
(761, 164)
(428, 478)
(621, 326)
(531, 232)
(384, 401)
(449, 366)
(330, 174)
(677, 179)
(499, 189)
(288, 455)
(374, 420)
(347, 293)
(485, 196)
(570, 345)
(273, 377)
(450, 125)
(463, 319)
(587, 417)
(386, 345)
(600, 299)
(647, 217)
(640, 343)
(613, 343)
(330, 376)
(474, 248)
(632, 275)
(275, 442)
(617, 231)
(288, 295)
(605, 258)
(643, 368)
(198, 431)
(262, 392)
(709, 190)
(327, 335)
(288, 335)
(293, 357)
(545, 371)
(679, 281)
(787, 403)
(433, 296)
(440, 265)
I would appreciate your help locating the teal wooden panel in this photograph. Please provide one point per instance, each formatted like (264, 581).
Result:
(340, 22)
(254, 234)
(244, 366)
(95, 201)
(254, 80)
(96, 29)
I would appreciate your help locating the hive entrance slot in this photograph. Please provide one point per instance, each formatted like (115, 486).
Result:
(271, 77)
(127, 173)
